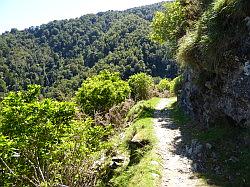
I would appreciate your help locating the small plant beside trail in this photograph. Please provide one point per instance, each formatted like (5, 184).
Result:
(171, 86)
(101, 92)
(140, 85)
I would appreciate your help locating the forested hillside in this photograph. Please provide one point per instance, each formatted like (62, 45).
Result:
(79, 106)
(60, 54)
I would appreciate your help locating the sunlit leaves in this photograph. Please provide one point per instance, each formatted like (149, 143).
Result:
(101, 92)
(141, 85)
(168, 25)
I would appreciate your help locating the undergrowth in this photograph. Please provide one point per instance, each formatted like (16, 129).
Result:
(139, 170)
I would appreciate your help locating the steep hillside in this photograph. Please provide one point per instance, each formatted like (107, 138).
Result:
(217, 84)
(60, 54)
(211, 41)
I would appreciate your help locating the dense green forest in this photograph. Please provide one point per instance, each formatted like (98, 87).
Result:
(60, 54)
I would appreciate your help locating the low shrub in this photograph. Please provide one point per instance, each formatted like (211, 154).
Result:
(172, 86)
(140, 85)
(164, 85)
(101, 92)
(176, 85)
(42, 145)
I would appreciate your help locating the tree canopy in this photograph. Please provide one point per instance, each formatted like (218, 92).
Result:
(60, 54)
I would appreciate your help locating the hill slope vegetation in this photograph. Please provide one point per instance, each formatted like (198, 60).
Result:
(60, 54)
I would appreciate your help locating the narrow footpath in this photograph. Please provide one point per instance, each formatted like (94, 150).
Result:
(177, 169)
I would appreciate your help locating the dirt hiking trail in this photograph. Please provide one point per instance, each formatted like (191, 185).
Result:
(177, 169)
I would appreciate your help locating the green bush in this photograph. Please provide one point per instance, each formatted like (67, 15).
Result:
(141, 85)
(101, 92)
(173, 86)
(31, 135)
(176, 85)
(42, 145)
(170, 25)
(163, 85)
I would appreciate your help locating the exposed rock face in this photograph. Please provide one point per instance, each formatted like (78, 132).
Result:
(223, 96)
(229, 100)
(217, 53)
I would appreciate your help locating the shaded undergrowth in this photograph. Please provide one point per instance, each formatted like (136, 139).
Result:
(226, 163)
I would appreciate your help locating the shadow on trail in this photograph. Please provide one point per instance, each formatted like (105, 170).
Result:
(218, 154)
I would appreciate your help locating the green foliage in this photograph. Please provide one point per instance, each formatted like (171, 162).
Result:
(138, 172)
(176, 85)
(169, 25)
(209, 46)
(164, 85)
(95, 136)
(99, 93)
(173, 86)
(33, 129)
(22, 110)
(140, 85)
(61, 54)
(40, 142)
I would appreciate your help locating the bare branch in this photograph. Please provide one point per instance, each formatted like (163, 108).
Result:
(11, 171)
(39, 168)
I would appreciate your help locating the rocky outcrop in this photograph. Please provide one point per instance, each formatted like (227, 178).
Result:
(231, 101)
(220, 96)
(216, 53)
